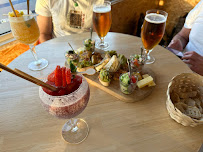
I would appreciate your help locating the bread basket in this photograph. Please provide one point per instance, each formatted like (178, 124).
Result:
(186, 90)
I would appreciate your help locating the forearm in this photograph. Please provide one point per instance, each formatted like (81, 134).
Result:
(45, 27)
(180, 40)
(44, 37)
(183, 40)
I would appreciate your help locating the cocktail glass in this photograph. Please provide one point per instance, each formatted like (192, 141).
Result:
(25, 30)
(152, 31)
(75, 130)
(102, 22)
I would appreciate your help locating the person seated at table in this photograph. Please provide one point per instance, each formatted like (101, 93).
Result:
(63, 17)
(190, 41)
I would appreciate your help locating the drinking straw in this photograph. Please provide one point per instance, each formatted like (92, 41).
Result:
(12, 8)
(28, 5)
(28, 77)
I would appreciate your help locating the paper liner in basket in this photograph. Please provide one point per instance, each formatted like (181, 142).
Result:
(179, 83)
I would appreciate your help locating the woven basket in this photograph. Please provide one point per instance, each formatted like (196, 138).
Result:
(181, 83)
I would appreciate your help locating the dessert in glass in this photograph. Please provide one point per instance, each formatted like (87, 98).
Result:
(25, 29)
(68, 101)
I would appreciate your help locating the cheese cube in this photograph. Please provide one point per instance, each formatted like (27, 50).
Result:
(151, 84)
(144, 82)
(145, 75)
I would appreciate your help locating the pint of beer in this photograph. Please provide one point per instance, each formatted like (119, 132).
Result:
(153, 30)
(102, 18)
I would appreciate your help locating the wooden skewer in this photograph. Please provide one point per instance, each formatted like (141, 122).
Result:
(28, 77)
(12, 8)
(70, 46)
(23, 15)
(28, 7)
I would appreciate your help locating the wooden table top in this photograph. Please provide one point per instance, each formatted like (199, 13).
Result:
(114, 125)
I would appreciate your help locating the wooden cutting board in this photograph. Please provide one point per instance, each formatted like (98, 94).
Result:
(114, 88)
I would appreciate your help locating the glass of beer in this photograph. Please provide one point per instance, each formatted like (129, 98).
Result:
(152, 31)
(102, 22)
(25, 30)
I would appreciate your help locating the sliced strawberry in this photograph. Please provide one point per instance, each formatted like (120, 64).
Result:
(58, 76)
(51, 77)
(64, 77)
(68, 75)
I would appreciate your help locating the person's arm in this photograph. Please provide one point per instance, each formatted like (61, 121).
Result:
(45, 27)
(195, 61)
(180, 40)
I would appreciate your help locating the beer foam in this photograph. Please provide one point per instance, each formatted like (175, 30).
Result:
(101, 9)
(155, 18)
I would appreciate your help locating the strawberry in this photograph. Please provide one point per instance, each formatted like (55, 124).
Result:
(58, 76)
(68, 75)
(51, 77)
(64, 77)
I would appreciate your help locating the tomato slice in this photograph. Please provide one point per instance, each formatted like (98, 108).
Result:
(134, 80)
(135, 62)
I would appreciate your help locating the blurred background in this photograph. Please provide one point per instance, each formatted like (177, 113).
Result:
(127, 16)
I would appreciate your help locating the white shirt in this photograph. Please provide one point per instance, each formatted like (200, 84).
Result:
(194, 21)
(66, 17)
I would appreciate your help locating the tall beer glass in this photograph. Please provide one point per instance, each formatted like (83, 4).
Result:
(102, 22)
(152, 31)
(25, 30)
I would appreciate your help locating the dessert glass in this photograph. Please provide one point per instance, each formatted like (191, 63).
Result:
(75, 130)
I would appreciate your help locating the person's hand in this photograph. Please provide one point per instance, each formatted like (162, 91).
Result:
(176, 44)
(195, 61)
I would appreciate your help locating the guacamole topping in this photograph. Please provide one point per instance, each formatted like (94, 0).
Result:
(104, 75)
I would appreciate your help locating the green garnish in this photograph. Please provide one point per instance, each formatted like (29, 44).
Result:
(112, 52)
(104, 75)
(72, 67)
(84, 63)
(76, 4)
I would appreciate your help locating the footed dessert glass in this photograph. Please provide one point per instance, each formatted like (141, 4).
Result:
(68, 106)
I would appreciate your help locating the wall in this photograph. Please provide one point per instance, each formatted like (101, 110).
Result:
(126, 14)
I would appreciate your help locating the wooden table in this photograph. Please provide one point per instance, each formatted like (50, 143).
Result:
(114, 125)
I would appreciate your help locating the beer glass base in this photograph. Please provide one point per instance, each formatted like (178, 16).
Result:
(38, 65)
(150, 59)
(102, 46)
(75, 131)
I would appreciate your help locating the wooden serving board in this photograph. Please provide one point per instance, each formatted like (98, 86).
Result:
(114, 88)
